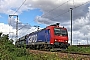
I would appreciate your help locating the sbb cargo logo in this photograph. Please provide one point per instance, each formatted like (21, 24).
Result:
(32, 38)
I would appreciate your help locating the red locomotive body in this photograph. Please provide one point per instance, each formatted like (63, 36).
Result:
(58, 36)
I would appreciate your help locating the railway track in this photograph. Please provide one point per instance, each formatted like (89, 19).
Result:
(87, 54)
(82, 45)
(64, 51)
(62, 55)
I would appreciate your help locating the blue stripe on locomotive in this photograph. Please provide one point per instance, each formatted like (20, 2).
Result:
(41, 36)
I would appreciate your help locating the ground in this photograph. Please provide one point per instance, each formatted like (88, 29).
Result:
(62, 56)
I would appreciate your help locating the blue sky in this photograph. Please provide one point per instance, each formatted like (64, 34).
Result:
(29, 17)
(25, 17)
(4, 18)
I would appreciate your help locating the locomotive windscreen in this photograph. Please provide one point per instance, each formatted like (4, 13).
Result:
(60, 32)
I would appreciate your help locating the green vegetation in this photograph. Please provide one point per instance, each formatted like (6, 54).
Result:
(8, 51)
(78, 49)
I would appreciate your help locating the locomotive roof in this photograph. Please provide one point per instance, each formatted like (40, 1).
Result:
(37, 31)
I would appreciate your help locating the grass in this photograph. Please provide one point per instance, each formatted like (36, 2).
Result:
(78, 49)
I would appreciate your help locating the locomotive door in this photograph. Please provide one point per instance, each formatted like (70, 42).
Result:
(47, 36)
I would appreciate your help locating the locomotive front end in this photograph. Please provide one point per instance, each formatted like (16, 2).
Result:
(61, 37)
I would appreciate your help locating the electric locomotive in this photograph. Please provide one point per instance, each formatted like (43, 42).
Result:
(52, 36)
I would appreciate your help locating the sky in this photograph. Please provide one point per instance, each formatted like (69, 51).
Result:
(43, 13)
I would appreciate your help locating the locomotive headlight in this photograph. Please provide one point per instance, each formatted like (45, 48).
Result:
(60, 35)
(55, 40)
(66, 41)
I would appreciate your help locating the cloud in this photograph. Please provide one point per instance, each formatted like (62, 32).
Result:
(81, 29)
(81, 17)
(10, 28)
(0, 16)
(52, 10)
(43, 20)
(13, 20)
(11, 6)
(6, 29)
(58, 14)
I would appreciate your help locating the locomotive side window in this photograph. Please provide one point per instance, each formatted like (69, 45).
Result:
(47, 31)
(60, 32)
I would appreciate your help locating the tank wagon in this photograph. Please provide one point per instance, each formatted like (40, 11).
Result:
(52, 36)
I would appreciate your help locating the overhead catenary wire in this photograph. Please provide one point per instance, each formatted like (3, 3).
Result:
(82, 4)
(20, 7)
(57, 7)
(66, 11)
(69, 9)
(54, 8)
(17, 18)
(25, 32)
(61, 14)
(75, 7)
(73, 4)
(23, 26)
(78, 7)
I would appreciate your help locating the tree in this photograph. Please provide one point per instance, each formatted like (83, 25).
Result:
(11, 40)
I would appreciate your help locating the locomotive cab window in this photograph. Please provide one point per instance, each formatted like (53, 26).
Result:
(60, 32)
